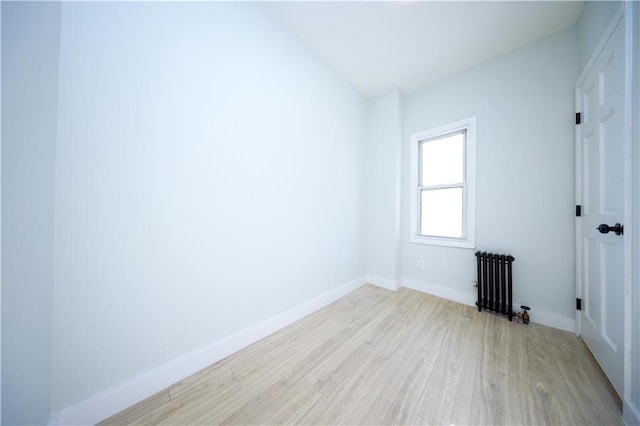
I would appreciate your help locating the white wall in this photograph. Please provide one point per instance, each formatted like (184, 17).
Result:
(208, 176)
(382, 177)
(207, 161)
(594, 20)
(525, 174)
(30, 41)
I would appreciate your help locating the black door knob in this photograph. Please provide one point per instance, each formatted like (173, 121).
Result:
(617, 228)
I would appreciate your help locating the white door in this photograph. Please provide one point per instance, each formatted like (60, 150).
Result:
(601, 191)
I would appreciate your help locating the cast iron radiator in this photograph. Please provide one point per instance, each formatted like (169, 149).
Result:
(495, 288)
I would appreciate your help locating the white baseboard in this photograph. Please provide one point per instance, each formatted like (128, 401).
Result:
(470, 297)
(378, 281)
(550, 319)
(112, 401)
(630, 414)
(464, 297)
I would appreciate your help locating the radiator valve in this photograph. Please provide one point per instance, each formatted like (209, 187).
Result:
(524, 315)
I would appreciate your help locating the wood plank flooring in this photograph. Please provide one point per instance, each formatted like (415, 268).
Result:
(379, 357)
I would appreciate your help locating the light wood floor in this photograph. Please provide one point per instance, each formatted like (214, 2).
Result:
(382, 357)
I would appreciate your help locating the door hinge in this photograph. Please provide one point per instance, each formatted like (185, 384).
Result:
(578, 210)
(578, 304)
(578, 117)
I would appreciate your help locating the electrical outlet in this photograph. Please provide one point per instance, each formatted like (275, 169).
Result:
(420, 264)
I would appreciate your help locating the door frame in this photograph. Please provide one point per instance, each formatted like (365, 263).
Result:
(618, 19)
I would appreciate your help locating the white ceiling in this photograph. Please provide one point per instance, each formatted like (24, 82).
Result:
(382, 45)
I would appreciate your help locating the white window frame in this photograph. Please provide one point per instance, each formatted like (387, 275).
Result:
(468, 239)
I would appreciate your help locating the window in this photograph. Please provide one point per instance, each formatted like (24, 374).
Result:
(443, 185)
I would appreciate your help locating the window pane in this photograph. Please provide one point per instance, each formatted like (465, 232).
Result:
(441, 212)
(442, 160)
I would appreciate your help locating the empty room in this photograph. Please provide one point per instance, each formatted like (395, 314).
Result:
(389, 212)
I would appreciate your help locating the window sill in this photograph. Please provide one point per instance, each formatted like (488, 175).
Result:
(444, 242)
